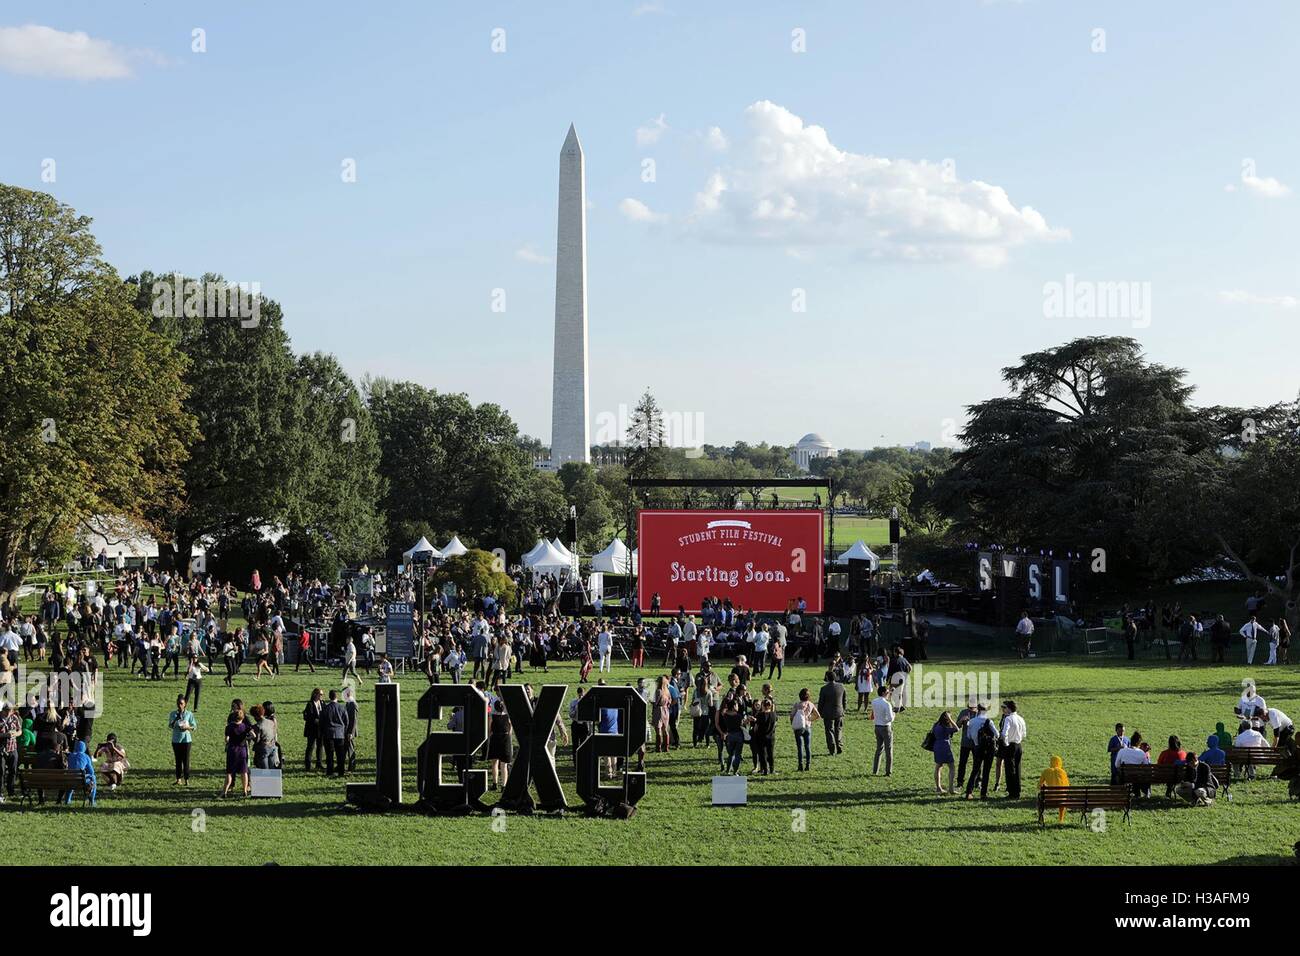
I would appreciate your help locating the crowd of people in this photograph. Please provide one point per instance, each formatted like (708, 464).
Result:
(152, 624)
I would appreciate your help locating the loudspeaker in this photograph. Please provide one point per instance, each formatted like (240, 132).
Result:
(571, 529)
(859, 585)
(894, 534)
(571, 603)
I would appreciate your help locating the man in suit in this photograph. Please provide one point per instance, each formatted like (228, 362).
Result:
(830, 704)
(311, 728)
(334, 734)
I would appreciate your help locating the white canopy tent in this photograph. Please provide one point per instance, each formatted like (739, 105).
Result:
(533, 552)
(558, 545)
(453, 547)
(615, 559)
(420, 547)
(548, 560)
(860, 552)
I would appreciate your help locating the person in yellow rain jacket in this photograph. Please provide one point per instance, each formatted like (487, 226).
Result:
(1055, 776)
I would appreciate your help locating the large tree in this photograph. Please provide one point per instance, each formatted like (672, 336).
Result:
(1067, 459)
(452, 467)
(332, 514)
(239, 478)
(1238, 505)
(91, 422)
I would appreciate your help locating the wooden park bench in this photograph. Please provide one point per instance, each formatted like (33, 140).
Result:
(1249, 757)
(33, 781)
(1085, 799)
(1148, 775)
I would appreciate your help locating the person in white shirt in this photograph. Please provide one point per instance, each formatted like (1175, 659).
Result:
(1251, 631)
(882, 716)
(1279, 721)
(702, 644)
(1132, 754)
(1248, 736)
(1013, 735)
(10, 643)
(761, 638)
(1024, 634)
(1249, 703)
(604, 646)
(984, 750)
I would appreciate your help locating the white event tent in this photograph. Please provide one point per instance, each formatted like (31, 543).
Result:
(860, 552)
(615, 559)
(420, 547)
(453, 547)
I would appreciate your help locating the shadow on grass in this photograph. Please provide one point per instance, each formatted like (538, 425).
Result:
(1257, 859)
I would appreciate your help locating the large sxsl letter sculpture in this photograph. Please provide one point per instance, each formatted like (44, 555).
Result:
(534, 762)
(461, 796)
(616, 801)
(386, 791)
(533, 765)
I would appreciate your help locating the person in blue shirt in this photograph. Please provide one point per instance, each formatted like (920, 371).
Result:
(80, 760)
(1117, 743)
(1213, 754)
(608, 724)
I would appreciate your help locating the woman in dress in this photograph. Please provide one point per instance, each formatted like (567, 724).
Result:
(661, 705)
(499, 750)
(115, 763)
(943, 731)
(585, 656)
(238, 731)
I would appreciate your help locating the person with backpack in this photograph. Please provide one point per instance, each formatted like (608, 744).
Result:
(983, 735)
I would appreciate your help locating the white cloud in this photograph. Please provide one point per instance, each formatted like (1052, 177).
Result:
(34, 50)
(649, 134)
(790, 185)
(1265, 186)
(1242, 297)
(637, 211)
(528, 253)
(715, 139)
(641, 9)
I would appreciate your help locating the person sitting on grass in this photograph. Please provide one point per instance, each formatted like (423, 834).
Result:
(115, 762)
(78, 760)
(1054, 776)
(1199, 786)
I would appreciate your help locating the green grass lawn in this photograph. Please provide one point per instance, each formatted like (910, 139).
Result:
(873, 531)
(850, 815)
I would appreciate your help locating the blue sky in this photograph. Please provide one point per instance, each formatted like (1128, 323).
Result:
(916, 175)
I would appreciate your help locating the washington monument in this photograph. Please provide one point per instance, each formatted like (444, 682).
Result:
(570, 415)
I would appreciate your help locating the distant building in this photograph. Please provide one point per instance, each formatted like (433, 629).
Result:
(809, 447)
(921, 446)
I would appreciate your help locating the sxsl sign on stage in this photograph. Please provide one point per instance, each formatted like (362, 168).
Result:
(761, 560)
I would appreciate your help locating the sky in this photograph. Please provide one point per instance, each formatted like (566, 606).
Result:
(835, 217)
